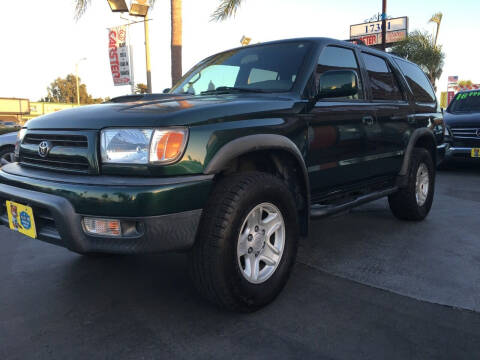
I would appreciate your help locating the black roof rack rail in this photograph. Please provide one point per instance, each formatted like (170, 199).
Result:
(356, 41)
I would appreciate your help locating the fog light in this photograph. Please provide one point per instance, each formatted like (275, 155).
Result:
(103, 227)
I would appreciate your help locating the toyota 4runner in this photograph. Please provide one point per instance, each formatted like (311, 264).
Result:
(232, 163)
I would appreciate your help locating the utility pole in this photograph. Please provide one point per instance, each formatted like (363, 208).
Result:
(76, 77)
(78, 87)
(384, 24)
(147, 56)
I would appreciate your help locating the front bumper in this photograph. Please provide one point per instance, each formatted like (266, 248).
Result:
(463, 154)
(166, 213)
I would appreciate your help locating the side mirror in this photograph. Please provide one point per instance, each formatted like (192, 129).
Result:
(166, 91)
(338, 83)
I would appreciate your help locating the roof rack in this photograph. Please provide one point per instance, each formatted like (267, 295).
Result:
(356, 41)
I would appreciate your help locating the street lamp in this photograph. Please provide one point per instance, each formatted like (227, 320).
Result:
(76, 77)
(138, 8)
(118, 5)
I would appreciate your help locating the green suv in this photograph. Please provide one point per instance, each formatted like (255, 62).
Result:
(232, 163)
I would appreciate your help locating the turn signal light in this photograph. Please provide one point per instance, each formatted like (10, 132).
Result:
(102, 227)
(167, 145)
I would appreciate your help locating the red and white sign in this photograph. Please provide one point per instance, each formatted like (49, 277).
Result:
(118, 54)
(451, 95)
(376, 39)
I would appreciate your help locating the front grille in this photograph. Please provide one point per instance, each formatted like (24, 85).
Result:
(57, 140)
(69, 152)
(466, 133)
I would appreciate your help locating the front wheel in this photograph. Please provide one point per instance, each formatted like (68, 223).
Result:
(414, 201)
(247, 242)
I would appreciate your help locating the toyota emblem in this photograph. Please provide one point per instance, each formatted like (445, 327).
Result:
(44, 148)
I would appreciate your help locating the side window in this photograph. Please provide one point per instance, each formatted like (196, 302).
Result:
(383, 82)
(418, 81)
(337, 58)
(259, 75)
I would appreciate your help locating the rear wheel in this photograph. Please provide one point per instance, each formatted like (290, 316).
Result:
(414, 201)
(247, 242)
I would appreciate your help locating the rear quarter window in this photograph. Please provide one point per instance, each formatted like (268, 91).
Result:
(383, 81)
(418, 82)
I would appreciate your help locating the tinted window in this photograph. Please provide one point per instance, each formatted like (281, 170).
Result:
(266, 68)
(382, 80)
(466, 102)
(418, 81)
(336, 58)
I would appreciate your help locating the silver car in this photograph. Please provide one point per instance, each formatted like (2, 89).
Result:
(7, 148)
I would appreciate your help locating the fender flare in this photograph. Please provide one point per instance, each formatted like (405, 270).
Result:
(251, 143)
(417, 134)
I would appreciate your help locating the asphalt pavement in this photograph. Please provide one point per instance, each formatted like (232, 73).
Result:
(365, 286)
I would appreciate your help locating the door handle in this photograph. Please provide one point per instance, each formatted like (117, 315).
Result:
(368, 120)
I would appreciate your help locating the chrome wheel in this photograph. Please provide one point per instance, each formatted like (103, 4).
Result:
(7, 158)
(261, 243)
(422, 184)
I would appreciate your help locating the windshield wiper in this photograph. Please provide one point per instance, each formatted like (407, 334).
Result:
(230, 89)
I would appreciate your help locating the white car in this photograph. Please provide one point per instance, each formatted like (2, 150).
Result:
(7, 148)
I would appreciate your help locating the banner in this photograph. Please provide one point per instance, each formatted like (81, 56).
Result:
(118, 53)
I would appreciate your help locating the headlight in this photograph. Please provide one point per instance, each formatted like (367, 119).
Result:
(143, 146)
(20, 136)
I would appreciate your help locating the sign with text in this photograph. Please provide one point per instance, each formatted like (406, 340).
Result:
(371, 33)
(376, 39)
(119, 55)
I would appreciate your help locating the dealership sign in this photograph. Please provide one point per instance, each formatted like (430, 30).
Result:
(118, 54)
(371, 33)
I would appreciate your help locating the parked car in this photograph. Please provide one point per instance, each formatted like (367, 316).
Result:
(233, 163)
(7, 148)
(8, 127)
(462, 119)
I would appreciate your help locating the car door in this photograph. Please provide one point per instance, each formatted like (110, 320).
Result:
(338, 145)
(392, 109)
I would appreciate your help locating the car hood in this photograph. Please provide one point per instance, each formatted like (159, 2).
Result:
(462, 120)
(8, 139)
(170, 110)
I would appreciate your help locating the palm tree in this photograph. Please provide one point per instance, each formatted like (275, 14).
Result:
(419, 48)
(176, 30)
(437, 19)
(226, 9)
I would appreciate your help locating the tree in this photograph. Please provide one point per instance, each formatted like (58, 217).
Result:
(437, 19)
(141, 88)
(418, 47)
(65, 91)
(226, 9)
(465, 83)
(176, 31)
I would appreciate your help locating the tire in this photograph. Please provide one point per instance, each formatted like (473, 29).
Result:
(216, 265)
(6, 155)
(404, 203)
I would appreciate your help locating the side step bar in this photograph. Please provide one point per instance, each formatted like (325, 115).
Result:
(319, 211)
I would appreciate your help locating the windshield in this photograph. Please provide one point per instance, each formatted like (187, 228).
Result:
(466, 102)
(266, 68)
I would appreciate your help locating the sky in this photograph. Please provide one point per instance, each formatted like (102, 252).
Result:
(40, 40)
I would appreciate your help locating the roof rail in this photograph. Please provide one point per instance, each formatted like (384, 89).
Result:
(356, 41)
